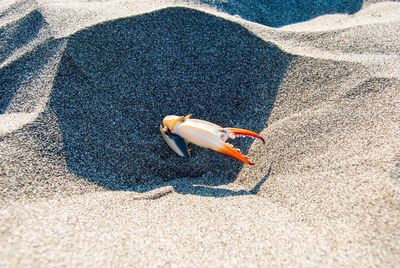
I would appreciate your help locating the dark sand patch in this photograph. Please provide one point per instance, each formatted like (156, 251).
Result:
(116, 82)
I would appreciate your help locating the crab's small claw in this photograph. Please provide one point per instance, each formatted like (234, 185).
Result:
(178, 130)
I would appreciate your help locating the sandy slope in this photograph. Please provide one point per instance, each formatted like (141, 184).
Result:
(86, 179)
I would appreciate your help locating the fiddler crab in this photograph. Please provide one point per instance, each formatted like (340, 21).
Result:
(178, 131)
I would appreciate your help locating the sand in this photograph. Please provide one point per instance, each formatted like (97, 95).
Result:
(87, 180)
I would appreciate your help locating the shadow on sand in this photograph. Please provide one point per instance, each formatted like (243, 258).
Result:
(14, 36)
(117, 80)
(277, 13)
(194, 188)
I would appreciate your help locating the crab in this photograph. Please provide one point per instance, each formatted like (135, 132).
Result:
(179, 131)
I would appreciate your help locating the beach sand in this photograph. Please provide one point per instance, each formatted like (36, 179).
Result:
(87, 180)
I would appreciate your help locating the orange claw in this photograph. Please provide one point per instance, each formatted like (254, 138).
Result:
(230, 151)
(244, 132)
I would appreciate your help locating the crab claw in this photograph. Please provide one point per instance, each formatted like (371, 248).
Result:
(239, 132)
(229, 150)
(180, 130)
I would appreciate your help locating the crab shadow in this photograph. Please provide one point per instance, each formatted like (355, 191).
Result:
(117, 80)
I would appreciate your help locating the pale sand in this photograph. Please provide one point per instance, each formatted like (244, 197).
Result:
(86, 179)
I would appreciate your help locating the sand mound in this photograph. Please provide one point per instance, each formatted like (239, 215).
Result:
(116, 81)
(83, 91)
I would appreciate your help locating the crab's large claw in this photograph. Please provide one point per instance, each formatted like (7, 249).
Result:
(179, 130)
(175, 142)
